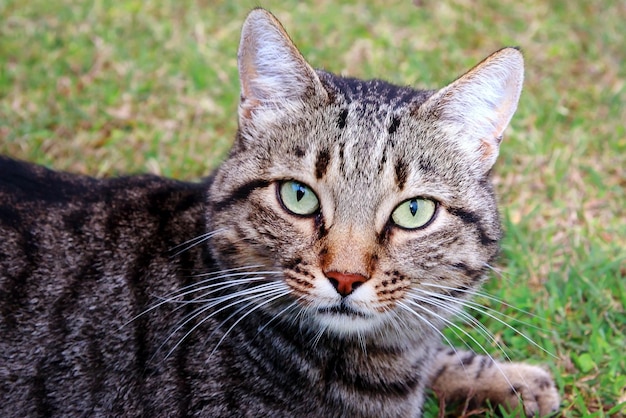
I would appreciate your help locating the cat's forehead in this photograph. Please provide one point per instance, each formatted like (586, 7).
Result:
(360, 139)
(358, 148)
(371, 118)
(373, 94)
(365, 144)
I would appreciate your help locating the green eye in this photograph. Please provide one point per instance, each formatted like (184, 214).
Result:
(413, 213)
(298, 198)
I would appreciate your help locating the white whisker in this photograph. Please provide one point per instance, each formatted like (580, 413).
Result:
(215, 287)
(175, 296)
(492, 298)
(453, 326)
(267, 289)
(290, 306)
(496, 270)
(467, 318)
(278, 294)
(427, 322)
(221, 272)
(318, 336)
(187, 245)
(486, 311)
(235, 313)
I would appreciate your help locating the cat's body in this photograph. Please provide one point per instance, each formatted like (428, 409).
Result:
(309, 276)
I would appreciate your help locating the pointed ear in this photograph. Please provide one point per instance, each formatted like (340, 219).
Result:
(475, 109)
(273, 74)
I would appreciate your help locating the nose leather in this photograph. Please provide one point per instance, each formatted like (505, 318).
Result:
(345, 283)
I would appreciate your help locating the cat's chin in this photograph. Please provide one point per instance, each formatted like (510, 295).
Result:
(344, 320)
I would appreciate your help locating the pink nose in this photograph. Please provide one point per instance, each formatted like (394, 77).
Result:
(345, 283)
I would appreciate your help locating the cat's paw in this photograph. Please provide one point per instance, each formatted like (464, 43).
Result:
(531, 385)
(466, 376)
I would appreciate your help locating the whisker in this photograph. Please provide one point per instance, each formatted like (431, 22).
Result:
(220, 272)
(318, 336)
(220, 299)
(427, 322)
(453, 326)
(304, 325)
(253, 292)
(496, 270)
(488, 312)
(468, 319)
(218, 275)
(290, 306)
(279, 295)
(232, 315)
(215, 287)
(489, 297)
(448, 323)
(194, 314)
(199, 286)
(403, 322)
(361, 339)
(187, 245)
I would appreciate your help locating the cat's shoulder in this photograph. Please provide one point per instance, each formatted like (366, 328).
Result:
(27, 181)
(21, 180)
(29, 192)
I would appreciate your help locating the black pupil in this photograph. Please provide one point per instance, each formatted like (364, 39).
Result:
(412, 206)
(299, 192)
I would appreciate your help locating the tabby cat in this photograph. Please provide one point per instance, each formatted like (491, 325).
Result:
(309, 276)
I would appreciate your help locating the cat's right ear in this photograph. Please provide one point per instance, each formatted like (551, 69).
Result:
(274, 76)
(474, 110)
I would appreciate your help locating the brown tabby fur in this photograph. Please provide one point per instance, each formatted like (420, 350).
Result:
(143, 296)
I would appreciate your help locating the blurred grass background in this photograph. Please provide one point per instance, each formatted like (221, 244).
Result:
(107, 87)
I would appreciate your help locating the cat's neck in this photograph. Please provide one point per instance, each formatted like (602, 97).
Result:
(346, 372)
(364, 353)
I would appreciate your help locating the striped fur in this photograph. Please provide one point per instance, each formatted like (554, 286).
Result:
(142, 296)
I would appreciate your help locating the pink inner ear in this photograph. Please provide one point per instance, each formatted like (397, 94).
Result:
(272, 72)
(477, 107)
(488, 149)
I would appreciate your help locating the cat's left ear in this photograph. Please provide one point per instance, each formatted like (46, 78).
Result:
(275, 78)
(475, 109)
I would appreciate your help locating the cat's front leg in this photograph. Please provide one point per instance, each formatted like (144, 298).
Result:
(463, 375)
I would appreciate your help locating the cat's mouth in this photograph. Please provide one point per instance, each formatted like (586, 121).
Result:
(343, 310)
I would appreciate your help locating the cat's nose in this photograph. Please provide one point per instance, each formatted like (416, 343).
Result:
(345, 283)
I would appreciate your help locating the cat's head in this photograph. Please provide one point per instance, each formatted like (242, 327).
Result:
(372, 203)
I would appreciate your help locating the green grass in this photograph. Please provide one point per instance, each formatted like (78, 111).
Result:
(107, 87)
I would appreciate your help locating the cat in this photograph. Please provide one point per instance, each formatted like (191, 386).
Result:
(309, 276)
